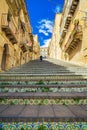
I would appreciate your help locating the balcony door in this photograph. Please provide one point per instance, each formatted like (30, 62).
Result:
(4, 57)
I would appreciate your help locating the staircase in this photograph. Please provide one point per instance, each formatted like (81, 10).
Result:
(47, 95)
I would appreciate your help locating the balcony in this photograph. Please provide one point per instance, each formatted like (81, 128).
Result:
(68, 21)
(74, 39)
(68, 16)
(9, 28)
(30, 47)
(31, 37)
(23, 44)
(73, 7)
(35, 49)
(62, 37)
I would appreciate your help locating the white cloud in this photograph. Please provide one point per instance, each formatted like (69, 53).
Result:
(46, 42)
(45, 26)
(43, 31)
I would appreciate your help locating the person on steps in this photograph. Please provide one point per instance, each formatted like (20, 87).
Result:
(40, 58)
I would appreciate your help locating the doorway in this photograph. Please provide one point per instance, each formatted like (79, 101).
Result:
(4, 57)
(20, 58)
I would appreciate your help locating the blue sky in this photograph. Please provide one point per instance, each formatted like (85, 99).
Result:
(42, 15)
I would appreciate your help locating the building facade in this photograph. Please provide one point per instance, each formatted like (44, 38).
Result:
(54, 50)
(73, 30)
(15, 34)
(44, 52)
(69, 38)
(36, 48)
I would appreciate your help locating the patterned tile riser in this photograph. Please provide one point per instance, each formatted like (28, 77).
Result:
(43, 101)
(46, 125)
(4, 83)
(40, 90)
(42, 77)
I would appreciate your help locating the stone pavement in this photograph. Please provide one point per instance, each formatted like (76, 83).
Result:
(43, 113)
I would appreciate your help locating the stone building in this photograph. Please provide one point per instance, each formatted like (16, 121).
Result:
(36, 48)
(73, 31)
(44, 52)
(15, 34)
(54, 50)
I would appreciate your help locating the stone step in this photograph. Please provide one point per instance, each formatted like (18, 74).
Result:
(39, 106)
(45, 70)
(50, 68)
(46, 73)
(43, 95)
(34, 67)
(44, 77)
(41, 113)
(63, 63)
(41, 69)
(46, 66)
(49, 72)
(44, 89)
(37, 85)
